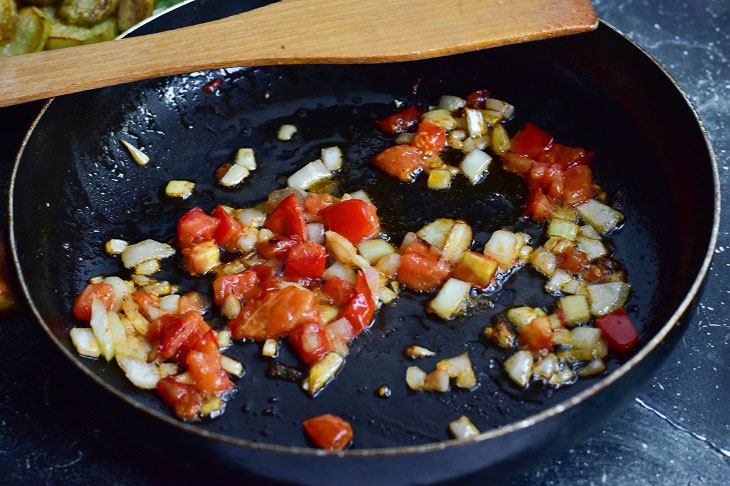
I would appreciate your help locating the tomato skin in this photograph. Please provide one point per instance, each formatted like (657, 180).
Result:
(311, 342)
(578, 185)
(531, 141)
(191, 301)
(195, 227)
(477, 99)
(274, 314)
(565, 156)
(306, 260)
(572, 260)
(170, 333)
(229, 229)
(537, 335)
(619, 330)
(241, 286)
(288, 219)
(186, 399)
(339, 290)
(206, 370)
(277, 247)
(539, 206)
(361, 308)
(314, 203)
(516, 163)
(82, 303)
(400, 122)
(354, 219)
(420, 269)
(328, 432)
(401, 161)
(430, 138)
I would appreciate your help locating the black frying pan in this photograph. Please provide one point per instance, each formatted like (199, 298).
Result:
(74, 187)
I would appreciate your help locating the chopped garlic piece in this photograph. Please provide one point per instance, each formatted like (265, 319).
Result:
(286, 132)
(212, 406)
(147, 268)
(322, 372)
(270, 348)
(224, 338)
(140, 157)
(332, 157)
(463, 428)
(181, 189)
(232, 366)
(235, 175)
(115, 247)
(246, 158)
(308, 175)
(414, 352)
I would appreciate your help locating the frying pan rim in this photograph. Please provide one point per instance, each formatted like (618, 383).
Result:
(400, 450)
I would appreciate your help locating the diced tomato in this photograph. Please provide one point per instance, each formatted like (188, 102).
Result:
(354, 219)
(275, 314)
(186, 399)
(310, 341)
(421, 269)
(191, 301)
(288, 219)
(572, 260)
(361, 308)
(221, 171)
(557, 185)
(229, 230)
(306, 260)
(578, 185)
(531, 141)
(339, 290)
(401, 161)
(170, 332)
(565, 156)
(201, 257)
(82, 303)
(339, 333)
(195, 227)
(539, 206)
(619, 330)
(264, 272)
(314, 203)
(537, 335)
(516, 163)
(144, 301)
(241, 286)
(477, 99)
(328, 432)
(400, 122)
(592, 273)
(277, 247)
(206, 370)
(430, 138)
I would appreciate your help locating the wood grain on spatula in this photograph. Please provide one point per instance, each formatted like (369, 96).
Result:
(297, 32)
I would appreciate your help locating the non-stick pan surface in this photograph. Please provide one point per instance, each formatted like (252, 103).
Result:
(75, 187)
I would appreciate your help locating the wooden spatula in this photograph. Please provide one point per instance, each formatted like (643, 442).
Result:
(297, 32)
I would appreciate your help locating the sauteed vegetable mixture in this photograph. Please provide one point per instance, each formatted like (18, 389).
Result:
(310, 269)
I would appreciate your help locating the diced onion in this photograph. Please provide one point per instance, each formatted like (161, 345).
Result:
(451, 103)
(435, 233)
(117, 332)
(404, 138)
(251, 217)
(234, 176)
(286, 132)
(100, 324)
(450, 298)
(308, 175)
(463, 428)
(415, 351)
(332, 158)
(544, 261)
(500, 106)
(521, 316)
(457, 242)
(409, 238)
(575, 308)
(441, 117)
(608, 297)
(316, 232)
(361, 195)
(169, 303)
(140, 157)
(345, 272)
(224, 338)
(144, 251)
(559, 278)
(593, 249)
(415, 377)
(84, 341)
(115, 247)
(603, 218)
(246, 158)
(437, 380)
(588, 231)
(211, 407)
(594, 367)
(439, 179)
(585, 340)
(388, 264)
(147, 268)
(373, 250)
(519, 367)
(181, 189)
(141, 374)
(270, 348)
(502, 246)
(459, 367)
(122, 289)
(322, 372)
(231, 307)
(564, 229)
(232, 366)
(475, 122)
(545, 368)
(475, 164)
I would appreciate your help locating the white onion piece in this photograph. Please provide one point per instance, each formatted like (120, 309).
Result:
(409, 238)
(519, 367)
(140, 157)
(373, 250)
(181, 189)
(121, 290)
(545, 368)
(84, 341)
(361, 195)
(450, 298)
(603, 218)
(169, 303)
(344, 272)
(251, 217)
(559, 278)
(475, 122)
(340, 248)
(463, 428)
(544, 261)
(608, 297)
(308, 175)
(144, 251)
(316, 232)
(118, 333)
(332, 158)
(415, 377)
(115, 246)
(372, 277)
(475, 164)
(457, 242)
(246, 158)
(270, 349)
(275, 197)
(521, 316)
(141, 374)
(388, 264)
(234, 175)
(451, 103)
(322, 372)
(593, 249)
(232, 366)
(100, 324)
(435, 233)
(502, 247)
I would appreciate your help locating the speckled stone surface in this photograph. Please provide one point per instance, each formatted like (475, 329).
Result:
(676, 431)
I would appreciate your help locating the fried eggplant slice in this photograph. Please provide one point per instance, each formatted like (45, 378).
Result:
(8, 21)
(31, 34)
(87, 12)
(132, 12)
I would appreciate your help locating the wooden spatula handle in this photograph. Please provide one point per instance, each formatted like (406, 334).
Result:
(296, 32)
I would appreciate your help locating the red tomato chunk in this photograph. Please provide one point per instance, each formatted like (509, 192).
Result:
(421, 269)
(430, 138)
(339, 290)
(241, 286)
(477, 99)
(186, 399)
(401, 161)
(400, 122)
(275, 314)
(531, 141)
(195, 227)
(306, 260)
(288, 219)
(328, 432)
(354, 219)
(82, 303)
(361, 308)
(578, 185)
(619, 331)
(229, 229)
(310, 341)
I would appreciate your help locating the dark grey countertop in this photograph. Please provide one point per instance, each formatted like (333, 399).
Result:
(676, 431)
